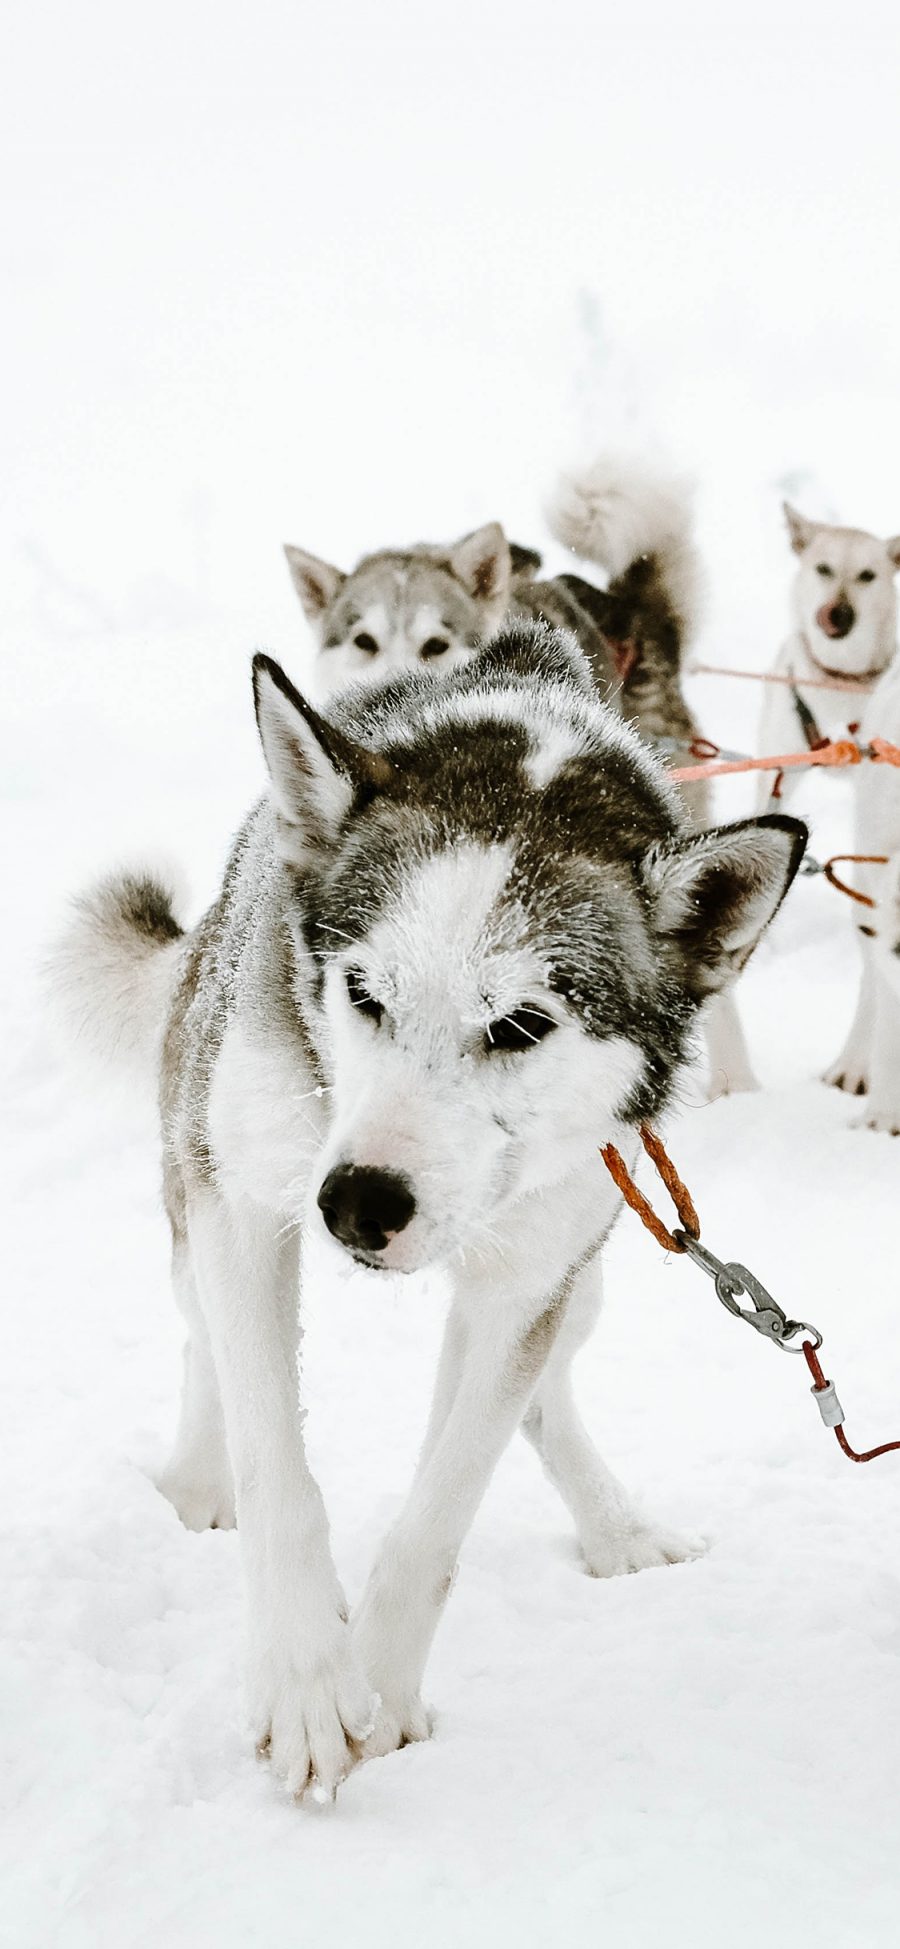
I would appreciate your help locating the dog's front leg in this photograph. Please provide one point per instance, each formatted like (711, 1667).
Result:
(853, 1069)
(307, 1695)
(501, 1355)
(883, 1110)
(615, 1538)
(730, 1068)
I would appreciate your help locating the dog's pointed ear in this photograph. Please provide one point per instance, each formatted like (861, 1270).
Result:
(481, 562)
(801, 530)
(316, 583)
(893, 549)
(524, 562)
(317, 773)
(714, 894)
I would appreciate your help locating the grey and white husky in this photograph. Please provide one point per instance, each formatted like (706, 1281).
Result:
(432, 606)
(844, 614)
(460, 944)
(435, 604)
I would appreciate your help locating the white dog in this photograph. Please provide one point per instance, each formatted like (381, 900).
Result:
(869, 1063)
(845, 627)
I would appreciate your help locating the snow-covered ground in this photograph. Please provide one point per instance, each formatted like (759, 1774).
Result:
(342, 280)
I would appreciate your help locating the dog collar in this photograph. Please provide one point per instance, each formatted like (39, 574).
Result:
(858, 677)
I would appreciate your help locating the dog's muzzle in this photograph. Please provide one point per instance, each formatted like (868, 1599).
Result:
(365, 1208)
(836, 618)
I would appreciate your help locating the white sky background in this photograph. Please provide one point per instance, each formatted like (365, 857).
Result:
(322, 274)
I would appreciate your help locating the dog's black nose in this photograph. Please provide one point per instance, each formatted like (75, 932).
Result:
(841, 618)
(364, 1207)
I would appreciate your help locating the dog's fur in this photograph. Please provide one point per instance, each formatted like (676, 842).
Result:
(869, 1063)
(461, 944)
(433, 606)
(844, 613)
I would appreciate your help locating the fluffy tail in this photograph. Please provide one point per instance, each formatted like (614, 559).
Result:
(634, 522)
(113, 971)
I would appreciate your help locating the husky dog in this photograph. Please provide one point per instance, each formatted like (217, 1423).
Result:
(433, 606)
(845, 626)
(869, 1063)
(459, 945)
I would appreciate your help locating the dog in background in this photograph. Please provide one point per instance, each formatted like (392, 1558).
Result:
(869, 1063)
(844, 608)
(431, 606)
(434, 605)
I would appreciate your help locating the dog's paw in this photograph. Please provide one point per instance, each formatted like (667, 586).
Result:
(311, 1715)
(200, 1504)
(641, 1546)
(877, 1117)
(852, 1077)
(400, 1723)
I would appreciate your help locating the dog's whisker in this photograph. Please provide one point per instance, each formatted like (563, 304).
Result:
(290, 1226)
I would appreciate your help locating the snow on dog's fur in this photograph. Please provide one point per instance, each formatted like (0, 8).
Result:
(460, 945)
(844, 613)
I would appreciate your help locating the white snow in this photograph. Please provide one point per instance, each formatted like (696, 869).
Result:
(342, 279)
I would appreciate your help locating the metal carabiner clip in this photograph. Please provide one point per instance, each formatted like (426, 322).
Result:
(733, 1281)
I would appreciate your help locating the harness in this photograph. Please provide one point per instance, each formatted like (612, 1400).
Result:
(862, 683)
(857, 680)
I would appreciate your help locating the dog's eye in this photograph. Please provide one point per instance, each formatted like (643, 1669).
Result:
(822, 568)
(366, 642)
(360, 997)
(866, 575)
(520, 1030)
(435, 646)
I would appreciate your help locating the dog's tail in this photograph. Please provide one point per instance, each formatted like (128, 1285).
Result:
(634, 521)
(112, 973)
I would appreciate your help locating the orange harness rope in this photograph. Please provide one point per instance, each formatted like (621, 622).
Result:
(835, 751)
(678, 1192)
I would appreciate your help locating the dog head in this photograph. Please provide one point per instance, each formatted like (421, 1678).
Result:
(501, 928)
(844, 596)
(403, 609)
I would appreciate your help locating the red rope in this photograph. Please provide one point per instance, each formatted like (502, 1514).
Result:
(819, 1382)
(855, 859)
